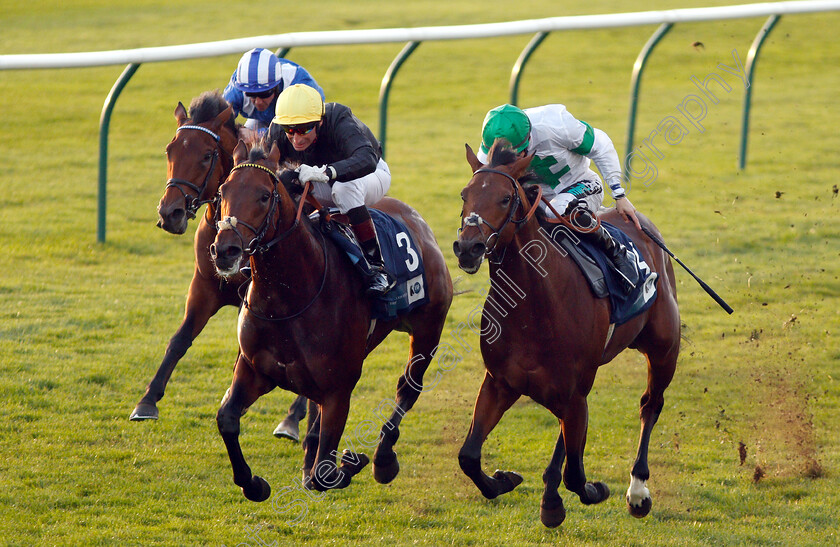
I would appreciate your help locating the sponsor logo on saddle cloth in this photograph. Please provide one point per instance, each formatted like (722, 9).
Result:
(402, 259)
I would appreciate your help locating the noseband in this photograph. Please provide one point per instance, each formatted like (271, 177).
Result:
(474, 219)
(193, 203)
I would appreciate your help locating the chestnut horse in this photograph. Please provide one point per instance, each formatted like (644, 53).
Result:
(552, 334)
(199, 158)
(306, 325)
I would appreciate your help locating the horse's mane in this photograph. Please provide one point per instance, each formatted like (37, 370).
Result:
(207, 106)
(501, 153)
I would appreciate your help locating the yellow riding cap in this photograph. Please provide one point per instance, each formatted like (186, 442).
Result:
(298, 104)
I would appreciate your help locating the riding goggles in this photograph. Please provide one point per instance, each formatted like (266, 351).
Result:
(299, 129)
(261, 94)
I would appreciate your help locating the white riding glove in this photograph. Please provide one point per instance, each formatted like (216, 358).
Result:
(307, 173)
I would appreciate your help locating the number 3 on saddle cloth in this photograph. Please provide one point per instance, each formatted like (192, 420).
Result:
(401, 257)
(602, 276)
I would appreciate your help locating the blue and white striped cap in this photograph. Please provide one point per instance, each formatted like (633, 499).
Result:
(258, 70)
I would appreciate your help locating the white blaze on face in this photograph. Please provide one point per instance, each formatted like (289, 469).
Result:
(637, 492)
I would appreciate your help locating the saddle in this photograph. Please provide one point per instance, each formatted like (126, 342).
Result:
(599, 271)
(399, 253)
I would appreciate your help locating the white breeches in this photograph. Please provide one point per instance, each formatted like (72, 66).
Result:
(366, 190)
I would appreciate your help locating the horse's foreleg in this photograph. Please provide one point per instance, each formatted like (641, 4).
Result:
(552, 512)
(386, 466)
(199, 309)
(246, 388)
(494, 398)
(575, 423)
(289, 428)
(660, 373)
(325, 474)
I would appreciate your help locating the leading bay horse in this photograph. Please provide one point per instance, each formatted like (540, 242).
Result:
(550, 334)
(306, 324)
(199, 158)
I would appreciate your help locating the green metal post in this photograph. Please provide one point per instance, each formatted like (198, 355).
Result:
(752, 57)
(516, 73)
(282, 52)
(104, 122)
(635, 83)
(385, 90)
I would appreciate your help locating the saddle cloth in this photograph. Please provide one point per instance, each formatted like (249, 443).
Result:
(402, 259)
(603, 279)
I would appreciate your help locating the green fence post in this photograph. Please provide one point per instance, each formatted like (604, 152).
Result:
(752, 57)
(519, 66)
(104, 122)
(635, 84)
(385, 90)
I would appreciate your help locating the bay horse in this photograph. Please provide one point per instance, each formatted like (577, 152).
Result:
(549, 344)
(199, 158)
(306, 325)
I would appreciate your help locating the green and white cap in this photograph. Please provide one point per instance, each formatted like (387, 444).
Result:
(505, 122)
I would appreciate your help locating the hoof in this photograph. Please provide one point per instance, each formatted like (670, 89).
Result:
(642, 510)
(552, 517)
(353, 462)
(386, 469)
(508, 480)
(287, 429)
(144, 411)
(258, 490)
(595, 492)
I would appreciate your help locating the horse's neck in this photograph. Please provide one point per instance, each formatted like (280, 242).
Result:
(293, 268)
(533, 263)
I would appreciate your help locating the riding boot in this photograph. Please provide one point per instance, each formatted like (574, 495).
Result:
(621, 257)
(381, 281)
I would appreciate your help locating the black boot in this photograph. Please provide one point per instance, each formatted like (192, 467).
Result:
(381, 281)
(623, 260)
(620, 256)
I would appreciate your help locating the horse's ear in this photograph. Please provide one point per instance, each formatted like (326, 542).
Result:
(520, 165)
(222, 118)
(240, 153)
(472, 159)
(181, 113)
(274, 154)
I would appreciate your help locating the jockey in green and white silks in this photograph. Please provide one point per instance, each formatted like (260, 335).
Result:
(563, 148)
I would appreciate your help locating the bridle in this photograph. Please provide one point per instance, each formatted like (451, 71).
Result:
(191, 203)
(256, 247)
(474, 219)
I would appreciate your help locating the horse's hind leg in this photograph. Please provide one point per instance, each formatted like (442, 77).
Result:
(494, 398)
(424, 341)
(310, 440)
(325, 475)
(552, 512)
(575, 420)
(289, 428)
(247, 387)
(660, 372)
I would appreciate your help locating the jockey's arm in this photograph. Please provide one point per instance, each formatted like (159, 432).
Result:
(605, 157)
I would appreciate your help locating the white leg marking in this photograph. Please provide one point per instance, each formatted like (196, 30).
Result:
(637, 492)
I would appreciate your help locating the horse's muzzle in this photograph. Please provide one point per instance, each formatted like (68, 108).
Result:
(226, 258)
(470, 254)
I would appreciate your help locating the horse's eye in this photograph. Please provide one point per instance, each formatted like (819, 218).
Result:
(265, 197)
(506, 200)
(208, 156)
